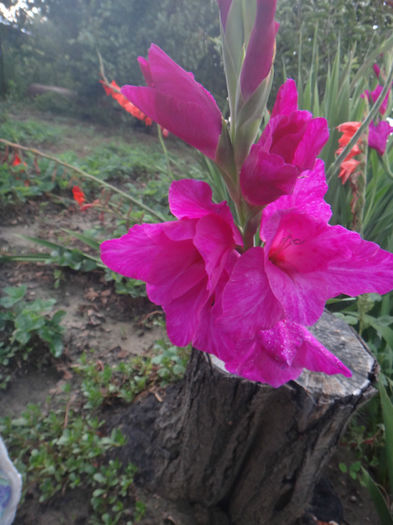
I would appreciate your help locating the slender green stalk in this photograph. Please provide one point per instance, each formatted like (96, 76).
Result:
(164, 149)
(373, 111)
(88, 176)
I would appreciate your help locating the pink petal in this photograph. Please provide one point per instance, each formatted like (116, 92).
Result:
(177, 102)
(163, 258)
(191, 199)
(265, 177)
(195, 124)
(373, 97)
(378, 136)
(214, 241)
(298, 252)
(308, 261)
(278, 355)
(296, 137)
(247, 301)
(183, 315)
(368, 270)
(145, 68)
(315, 137)
(286, 99)
(307, 195)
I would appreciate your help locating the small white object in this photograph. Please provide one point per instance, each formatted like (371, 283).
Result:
(10, 487)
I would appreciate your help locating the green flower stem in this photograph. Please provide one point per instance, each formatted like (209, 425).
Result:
(86, 175)
(373, 111)
(164, 149)
(251, 229)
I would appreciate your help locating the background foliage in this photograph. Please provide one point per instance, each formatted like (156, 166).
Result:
(59, 45)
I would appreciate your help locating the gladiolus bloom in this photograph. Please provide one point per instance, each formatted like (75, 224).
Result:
(260, 50)
(378, 136)
(305, 260)
(260, 44)
(177, 102)
(183, 260)
(373, 96)
(288, 145)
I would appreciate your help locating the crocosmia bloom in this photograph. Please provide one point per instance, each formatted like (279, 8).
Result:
(288, 145)
(114, 91)
(183, 260)
(349, 164)
(78, 194)
(177, 102)
(16, 160)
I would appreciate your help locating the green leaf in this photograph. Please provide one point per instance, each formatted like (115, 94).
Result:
(387, 412)
(14, 295)
(378, 499)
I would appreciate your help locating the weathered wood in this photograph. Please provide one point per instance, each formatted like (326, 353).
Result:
(247, 453)
(40, 89)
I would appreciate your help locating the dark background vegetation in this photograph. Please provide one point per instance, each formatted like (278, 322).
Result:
(59, 45)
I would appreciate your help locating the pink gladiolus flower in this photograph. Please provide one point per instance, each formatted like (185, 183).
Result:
(288, 145)
(181, 261)
(273, 355)
(260, 46)
(378, 136)
(373, 96)
(260, 50)
(293, 134)
(305, 260)
(177, 102)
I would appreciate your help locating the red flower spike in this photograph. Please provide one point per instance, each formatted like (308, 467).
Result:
(349, 164)
(78, 194)
(16, 161)
(113, 90)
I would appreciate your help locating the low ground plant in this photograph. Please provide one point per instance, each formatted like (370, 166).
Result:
(65, 444)
(27, 327)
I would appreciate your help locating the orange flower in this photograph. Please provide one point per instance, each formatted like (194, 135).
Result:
(347, 168)
(349, 164)
(78, 194)
(17, 161)
(114, 91)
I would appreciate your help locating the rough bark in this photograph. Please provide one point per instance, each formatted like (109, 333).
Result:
(245, 452)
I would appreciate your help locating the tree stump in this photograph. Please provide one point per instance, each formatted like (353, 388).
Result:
(248, 454)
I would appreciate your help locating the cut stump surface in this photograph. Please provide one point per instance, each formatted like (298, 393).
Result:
(244, 452)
